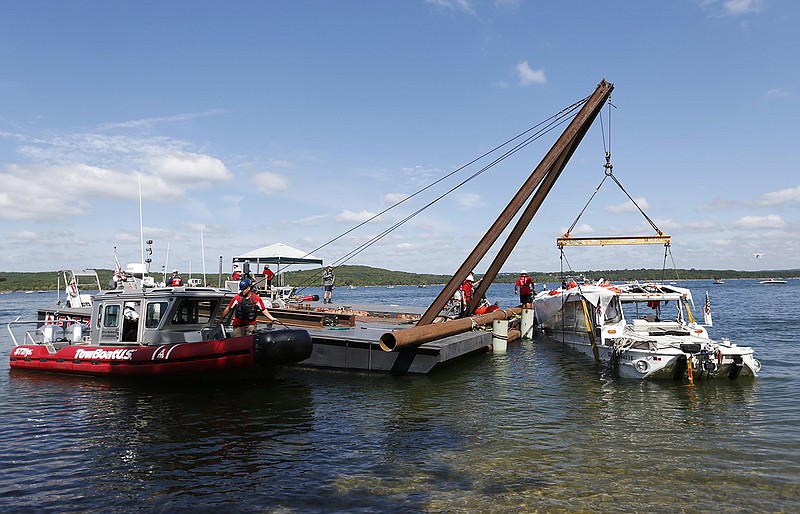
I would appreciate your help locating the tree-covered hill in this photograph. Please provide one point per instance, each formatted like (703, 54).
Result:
(368, 276)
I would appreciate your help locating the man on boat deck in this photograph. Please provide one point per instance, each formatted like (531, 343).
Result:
(175, 280)
(526, 287)
(246, 305)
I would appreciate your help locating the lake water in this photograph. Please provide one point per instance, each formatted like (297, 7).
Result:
(536, 429)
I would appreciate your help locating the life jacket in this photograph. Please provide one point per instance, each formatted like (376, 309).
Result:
(246, 309)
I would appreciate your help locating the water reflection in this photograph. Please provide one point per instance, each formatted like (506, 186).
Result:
(538, 429)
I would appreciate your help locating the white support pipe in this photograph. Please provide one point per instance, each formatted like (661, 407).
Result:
(527, 324)
(499, 335)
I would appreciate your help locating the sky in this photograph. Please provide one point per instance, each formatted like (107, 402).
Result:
(244, 123)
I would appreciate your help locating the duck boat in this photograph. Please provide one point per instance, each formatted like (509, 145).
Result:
(152, 332)
(644, 331)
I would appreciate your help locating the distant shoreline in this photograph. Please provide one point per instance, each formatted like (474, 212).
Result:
(357, 275)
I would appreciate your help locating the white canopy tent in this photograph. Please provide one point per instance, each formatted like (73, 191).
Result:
(278, 254)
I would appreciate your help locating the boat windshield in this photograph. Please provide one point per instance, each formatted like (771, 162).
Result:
(191, 311)
(613, 312)
(155, 311)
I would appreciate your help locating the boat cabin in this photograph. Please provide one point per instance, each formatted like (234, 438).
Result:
(158, 316)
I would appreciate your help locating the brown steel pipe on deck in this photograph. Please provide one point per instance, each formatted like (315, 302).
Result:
(424, 333)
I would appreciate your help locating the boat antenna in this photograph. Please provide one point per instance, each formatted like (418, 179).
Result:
(203, 254)
(166, 263)
(141, 225)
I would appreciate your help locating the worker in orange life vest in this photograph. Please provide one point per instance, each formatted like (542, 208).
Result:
(246, 306)
(175, 280)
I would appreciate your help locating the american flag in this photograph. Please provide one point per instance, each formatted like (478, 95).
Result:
(707, 312)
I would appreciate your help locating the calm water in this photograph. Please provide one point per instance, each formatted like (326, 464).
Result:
(536, 429)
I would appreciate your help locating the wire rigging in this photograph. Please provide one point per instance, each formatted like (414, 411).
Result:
(539, 130)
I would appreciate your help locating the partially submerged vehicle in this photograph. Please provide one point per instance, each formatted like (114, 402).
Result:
(152, 332)
(642, 330)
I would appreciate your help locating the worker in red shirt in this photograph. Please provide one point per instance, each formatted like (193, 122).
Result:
(467, 287)
(525, 286)
(246, 306)
(268, 275)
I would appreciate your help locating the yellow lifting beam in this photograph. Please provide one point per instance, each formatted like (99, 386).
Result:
(601, 241)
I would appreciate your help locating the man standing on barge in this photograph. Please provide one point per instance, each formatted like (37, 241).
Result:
(327, 285)
(526, 287)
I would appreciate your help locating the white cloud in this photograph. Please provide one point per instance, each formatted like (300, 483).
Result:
(783, 196)
(39, 201)
(583, 229)
(469, 200)
(628, 206)
(715, 205)
(738, 7)
(268, 182)
(23, 235)
(393, 198)
(67, 173)
(458, 5)
(528, 76)
(150, 122)
(759, 222)
(781, 92)
(189, 169)
(281, 163)
(307, 222)
(700, 226)
(347, 216)
(404, 246)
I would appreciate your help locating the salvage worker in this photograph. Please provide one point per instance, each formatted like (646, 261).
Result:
(175, 280)
(526, 287)
(467, 288)
(268, 275)
(246, 306)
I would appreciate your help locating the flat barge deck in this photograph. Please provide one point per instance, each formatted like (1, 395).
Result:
(356, 347)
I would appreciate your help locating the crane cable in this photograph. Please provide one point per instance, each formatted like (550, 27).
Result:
(609, 172)
(543, 127)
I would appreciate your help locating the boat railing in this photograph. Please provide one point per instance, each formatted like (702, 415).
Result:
(48, 332)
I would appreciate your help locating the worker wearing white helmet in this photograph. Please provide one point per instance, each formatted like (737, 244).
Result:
(525, 286)
(175, 280)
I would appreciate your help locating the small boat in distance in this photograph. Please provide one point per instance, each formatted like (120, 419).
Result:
(773, 281)
(719, 281)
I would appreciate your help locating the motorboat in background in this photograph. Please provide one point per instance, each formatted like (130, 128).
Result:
(773, 281)
(642, 330)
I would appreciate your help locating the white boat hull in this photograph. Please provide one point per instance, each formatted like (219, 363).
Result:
(645, 348)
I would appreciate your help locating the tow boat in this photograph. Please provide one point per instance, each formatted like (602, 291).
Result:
(643, 331)
(152, 332)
